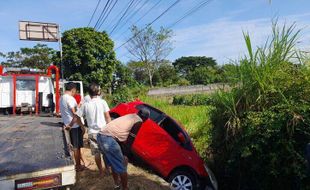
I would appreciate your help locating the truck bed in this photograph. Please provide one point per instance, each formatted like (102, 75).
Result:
(30, 144)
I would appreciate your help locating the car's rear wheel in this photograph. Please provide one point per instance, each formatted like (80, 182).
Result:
(181, 180)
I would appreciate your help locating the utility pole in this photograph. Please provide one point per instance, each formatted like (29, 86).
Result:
(60, 50)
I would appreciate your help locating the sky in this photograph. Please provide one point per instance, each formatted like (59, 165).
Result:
(216, 30)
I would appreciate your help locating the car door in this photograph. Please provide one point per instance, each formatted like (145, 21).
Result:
(153, 144)
(138, 147)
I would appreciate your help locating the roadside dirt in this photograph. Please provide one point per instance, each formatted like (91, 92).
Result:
(139, 179)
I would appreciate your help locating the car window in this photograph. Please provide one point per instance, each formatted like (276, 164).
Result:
(171, 128)
(168, 124)
(155, 114)
(174, 130)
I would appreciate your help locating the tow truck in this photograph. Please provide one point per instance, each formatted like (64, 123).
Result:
(34, 148)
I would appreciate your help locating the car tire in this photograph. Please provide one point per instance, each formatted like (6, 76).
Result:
(182, 180)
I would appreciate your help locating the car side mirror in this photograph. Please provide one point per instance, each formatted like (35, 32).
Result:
(181, 138)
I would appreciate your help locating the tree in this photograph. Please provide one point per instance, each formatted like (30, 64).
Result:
(40, 56)
(150, 48)
(167, 74)
(204, 75)
(12, 59)
(88, 55)
(139, 72)
(185, 65)
(123, 77)
(198, 69)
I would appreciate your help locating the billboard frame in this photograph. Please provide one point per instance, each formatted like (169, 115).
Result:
(38, 31)
(55, 34)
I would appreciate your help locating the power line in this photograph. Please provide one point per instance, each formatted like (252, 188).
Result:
(102, 12)
(111, 23)
(163, 13)
(103, 16)
(100, 21)
(106, 16)
(133, 7)
(190, 12)
(146, 13)
(116, 25)
(92, 16)
(134, 13)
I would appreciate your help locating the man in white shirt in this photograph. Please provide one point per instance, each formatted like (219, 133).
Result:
(87, 98)
(96, 112)
(68, 107)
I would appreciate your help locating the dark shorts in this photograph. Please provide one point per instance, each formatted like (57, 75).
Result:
(112, 153)
(76, 137)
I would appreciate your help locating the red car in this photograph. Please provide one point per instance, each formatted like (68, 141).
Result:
(163, 144)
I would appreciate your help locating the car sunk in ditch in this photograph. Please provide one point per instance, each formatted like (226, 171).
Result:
(162, 144)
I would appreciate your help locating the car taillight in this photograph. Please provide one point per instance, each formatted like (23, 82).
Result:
(38, 182)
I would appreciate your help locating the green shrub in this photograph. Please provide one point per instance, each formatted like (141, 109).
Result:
(183, 82)
(178, 100)
(126, 94)
(262, 126)
(121, 95)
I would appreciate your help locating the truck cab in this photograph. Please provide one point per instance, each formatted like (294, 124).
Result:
(28, 90)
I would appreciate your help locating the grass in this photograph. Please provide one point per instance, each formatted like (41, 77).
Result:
(195, 120)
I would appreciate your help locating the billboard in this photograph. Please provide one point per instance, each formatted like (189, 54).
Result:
(38, 31)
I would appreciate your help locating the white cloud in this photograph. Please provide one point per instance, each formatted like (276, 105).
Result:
(223, 38)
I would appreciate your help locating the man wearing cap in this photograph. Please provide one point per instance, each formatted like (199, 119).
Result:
(118, 131)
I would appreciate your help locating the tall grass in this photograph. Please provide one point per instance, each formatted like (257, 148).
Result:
(258, 76)
(261, 126)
